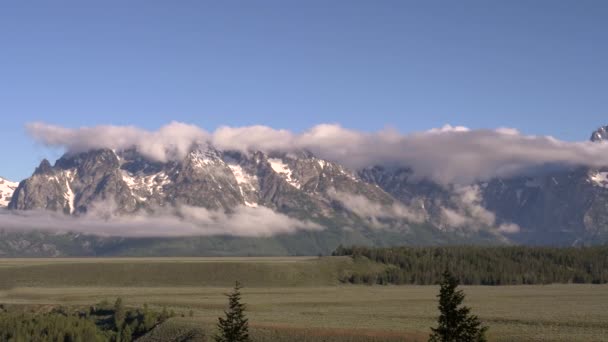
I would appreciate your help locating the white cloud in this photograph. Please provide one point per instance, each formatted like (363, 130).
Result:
(173, 222)
(374, 211)
(469, 212)
(509, 228)
(448, 129)
(252, 138)
(172, 141)
(447, 155)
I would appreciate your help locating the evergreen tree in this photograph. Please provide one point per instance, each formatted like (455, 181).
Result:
(126, 334)
(164, 315)
(234, 327)
(119, 314)
(455, 323)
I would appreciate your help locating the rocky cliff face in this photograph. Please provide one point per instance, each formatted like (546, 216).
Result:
(565, 207)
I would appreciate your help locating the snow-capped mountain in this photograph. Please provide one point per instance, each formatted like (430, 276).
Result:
(350, 208)
(375, 205)
(299, 185)
(6, 191)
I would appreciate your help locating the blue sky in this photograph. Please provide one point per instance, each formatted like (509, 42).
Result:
(538, 66)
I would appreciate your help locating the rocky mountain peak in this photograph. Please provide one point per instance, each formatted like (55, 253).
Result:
(601, 134)
(100, 159)
(303, 186)
(44, 168)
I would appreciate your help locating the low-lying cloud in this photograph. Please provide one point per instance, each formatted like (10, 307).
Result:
(174, 222)
(446, 155)
(468, 211)
(374, 212)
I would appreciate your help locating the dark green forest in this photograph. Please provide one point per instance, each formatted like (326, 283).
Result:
(476, 265)
(102, 322)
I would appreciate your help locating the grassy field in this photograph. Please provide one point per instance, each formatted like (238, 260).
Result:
(267, 272)
(300, 298)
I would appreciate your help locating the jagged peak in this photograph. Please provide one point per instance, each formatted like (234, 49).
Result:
(44, 168)
(600, 134)
(78, 158)
(203, 150)
(92, 158)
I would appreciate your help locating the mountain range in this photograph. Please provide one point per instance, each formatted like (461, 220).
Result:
(327, 203)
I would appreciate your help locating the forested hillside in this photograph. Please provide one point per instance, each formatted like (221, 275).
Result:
(475, 265)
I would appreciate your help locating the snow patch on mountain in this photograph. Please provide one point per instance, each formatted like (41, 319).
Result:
(331, 167)
(348, 173)
(69, 195)
(283, 169)
(143, 186)
(6, 191)
(202, 157)
(599, 179)
(245, 181)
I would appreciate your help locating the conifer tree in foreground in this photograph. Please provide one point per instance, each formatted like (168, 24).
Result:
(234, 327)
(455, 323)
(119, 314)
(126, 334)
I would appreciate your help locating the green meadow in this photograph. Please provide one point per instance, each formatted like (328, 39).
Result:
(298, 299)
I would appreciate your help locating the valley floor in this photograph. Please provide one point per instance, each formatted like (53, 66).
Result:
(514, 313)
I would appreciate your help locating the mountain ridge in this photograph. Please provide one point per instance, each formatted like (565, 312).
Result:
(388, 205)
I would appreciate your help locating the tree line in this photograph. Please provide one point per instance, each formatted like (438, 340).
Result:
(477, 265)
(101, 322)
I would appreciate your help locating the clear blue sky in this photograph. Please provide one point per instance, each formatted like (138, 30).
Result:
(539, 66)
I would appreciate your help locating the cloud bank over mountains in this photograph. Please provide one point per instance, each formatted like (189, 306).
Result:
(168, 222)
(446, 155)
(374, 212)
(469, 211)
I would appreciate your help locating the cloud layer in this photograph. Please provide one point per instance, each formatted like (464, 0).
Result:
(172, 141)
(181, 221)
(374, 212)
(469, 212)
(446, 155)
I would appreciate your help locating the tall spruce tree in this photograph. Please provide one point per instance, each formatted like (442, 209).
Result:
(455, 323)
(234, 327)
(126, 334)
(119, 314)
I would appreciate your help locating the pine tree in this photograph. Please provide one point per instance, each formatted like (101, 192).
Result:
(455, 323)
(164, 315)
(126, 334)
(234, 327)
(119, 314)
